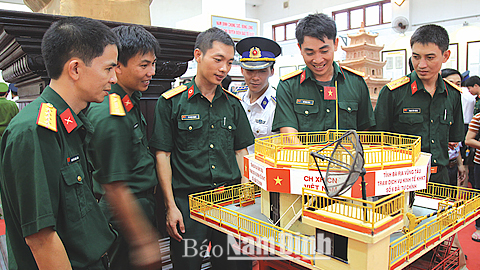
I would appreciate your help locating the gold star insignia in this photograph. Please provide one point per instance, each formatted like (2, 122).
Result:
(330, 93)
(278, 181)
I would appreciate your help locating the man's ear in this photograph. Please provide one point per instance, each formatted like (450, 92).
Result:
(73, 68)
(197, 54)
(446, 55)
(119, 68)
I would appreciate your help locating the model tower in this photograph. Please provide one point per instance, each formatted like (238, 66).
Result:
(363, 54)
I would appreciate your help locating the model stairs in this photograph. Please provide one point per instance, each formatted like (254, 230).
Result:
(441, 251)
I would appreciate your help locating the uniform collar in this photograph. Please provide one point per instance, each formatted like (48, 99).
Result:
(192, 90)
(261, 100)
(308, 74)
(135, 97)
(417, 84)
(50, 96)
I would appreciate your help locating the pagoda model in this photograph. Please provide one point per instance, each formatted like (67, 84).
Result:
(363, 54)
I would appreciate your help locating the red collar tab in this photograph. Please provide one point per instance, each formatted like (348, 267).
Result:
(191, 90)
(127, 102)
(414, 87)
(68, 120)
(303, 77)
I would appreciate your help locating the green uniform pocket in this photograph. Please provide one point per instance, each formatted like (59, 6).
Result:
(76, 191)
(348, 114)
(227, 136)
(190, 135)
(306, 116)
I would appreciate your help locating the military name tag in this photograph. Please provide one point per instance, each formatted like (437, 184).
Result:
(73, 159)
(260, 121)
(305, 101)
(412, 110)
(190, 117)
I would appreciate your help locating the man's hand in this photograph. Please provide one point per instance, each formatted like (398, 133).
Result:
(462, 176)
(174, 218)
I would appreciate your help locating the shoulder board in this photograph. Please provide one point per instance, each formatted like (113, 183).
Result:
(47, 116)
(232, 94)
(242, 88)
(116, 105)
(274, 99)
(291, 74)
(356, 72)
(453, 85)
(398, 82)
(175, 91)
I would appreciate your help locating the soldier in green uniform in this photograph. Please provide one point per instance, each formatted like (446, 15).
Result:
(473, 85)
(306, 98)
(53, 220)
(424, 104)
(8, 108)
(119, 151)
(200, 133)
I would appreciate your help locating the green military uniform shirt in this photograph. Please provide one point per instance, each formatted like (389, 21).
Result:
(8, 109)
(119, 148)
(408, 108)
(301, 104)
(202, 137)
(46, 182)
(476, 108)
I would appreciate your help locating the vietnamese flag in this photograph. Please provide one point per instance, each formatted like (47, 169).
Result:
(246, 168)
(369, 183)
(329, 93)
(278, 180)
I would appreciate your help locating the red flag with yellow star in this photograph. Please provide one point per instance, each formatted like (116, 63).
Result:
(246, 167)
(329, 93)
(278, 180)
(369, 183)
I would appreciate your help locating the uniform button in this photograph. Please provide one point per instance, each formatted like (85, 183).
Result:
(450, 123)
(211, 145)
(434, 161)
(258, 131)
(212, 126)
(328, 110)
(349, 108)
(306, 112)
(433, 141)
(214, 184)
(79, 178)
(431, 121)
(229, 127)
(213, 166)
(190, 128)
(211, 105)
(248, 110)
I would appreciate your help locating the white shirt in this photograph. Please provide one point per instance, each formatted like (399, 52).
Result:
(468, 103)
(259, 113)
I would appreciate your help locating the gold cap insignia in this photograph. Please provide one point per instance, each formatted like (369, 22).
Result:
(255, 52)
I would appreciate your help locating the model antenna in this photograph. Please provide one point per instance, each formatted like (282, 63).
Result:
(345, 164)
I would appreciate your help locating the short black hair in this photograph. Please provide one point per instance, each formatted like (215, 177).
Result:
(134, 39)
(69, 37)
(450, 71)
(470, 82)
(316, 25)
(431, 33)
(206, 38)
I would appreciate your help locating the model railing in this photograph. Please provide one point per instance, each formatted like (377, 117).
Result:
(381, 149)
(424, 236)
(207, 205)
(370, 213)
